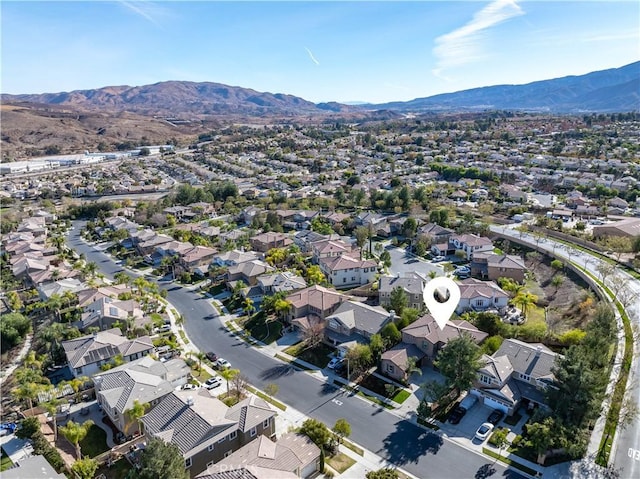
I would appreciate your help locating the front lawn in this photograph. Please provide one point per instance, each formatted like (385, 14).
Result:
(5, 462)
(318, 356)
(95, 442)
(340, 462)
(263, 328)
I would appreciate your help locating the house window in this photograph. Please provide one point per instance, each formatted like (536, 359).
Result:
(265, 424)
(479, 302)
(525, 377)
(333, 324)
(210, 447)
(209, 464)
(228, 453)
(495, 300)
(485, 379)
(187, 463)
(233, 435)
(390, 368)
(344, 280)
(253, 431)
(353, 278)
(222, 439)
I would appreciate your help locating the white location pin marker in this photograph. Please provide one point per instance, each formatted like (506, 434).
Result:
(441, 295)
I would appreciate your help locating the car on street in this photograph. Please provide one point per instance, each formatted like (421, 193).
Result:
(438, 259)
(222, 363)
(211, 356)
(457, 414)
(483, 431)
(213, 382)
(164, 328)
(495, 417)
(334, 362)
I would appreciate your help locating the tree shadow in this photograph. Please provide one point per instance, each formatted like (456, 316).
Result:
(486, 470)
(328, 388)
(422, 442)
(277, 372)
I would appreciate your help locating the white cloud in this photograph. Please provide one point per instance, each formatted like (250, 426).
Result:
(313, 59)
(144, 9)
(464, 45)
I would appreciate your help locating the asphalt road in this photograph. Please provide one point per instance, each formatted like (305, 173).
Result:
(422, 453)
(626, 453)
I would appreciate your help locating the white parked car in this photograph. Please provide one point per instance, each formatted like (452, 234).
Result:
(212, 382)
(484, 430)
(188, 386)
(222, 363)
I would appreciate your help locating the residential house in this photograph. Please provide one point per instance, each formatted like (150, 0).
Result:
(281, 281)
(204, 429)
(266, 241)
(144, 380)
(106, 311)
(435, 233)
(248, 272)
(148, 246)
(60, 287)
(33, 466)
(493, 266)
(304, 239)
(628, 227)
(516, 372)
(355, 322)
(471, 244)
(411, 283)
(233, 258)
(197, 259)
(331, 249)
(315, 301)
(180, 213)
(292, 455)
(425, 336)
(87, 353)
(344, 271)
(476, 295)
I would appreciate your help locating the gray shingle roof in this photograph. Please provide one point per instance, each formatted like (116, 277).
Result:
(532, 359)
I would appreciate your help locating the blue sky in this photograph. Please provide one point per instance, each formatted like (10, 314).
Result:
(321, 51)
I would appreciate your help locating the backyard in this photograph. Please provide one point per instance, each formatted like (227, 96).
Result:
(95, 442)
(118, 469)
(5, 461)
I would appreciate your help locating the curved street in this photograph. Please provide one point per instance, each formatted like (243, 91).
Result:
(423, 453)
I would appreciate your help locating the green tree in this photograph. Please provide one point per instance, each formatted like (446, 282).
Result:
(376, 344)
(75, 433)
(14, 327)
(499, 439)
(459, 362)
(341, 429)
(271, 389)
(161, 460)
(360, 358)
(15, 303)
(85, 468)
(398, 300)
(228, 375)
(385, 258)
(362, 234)
(51, 406)
(412, 366)
(248, 306)
(557, 264)
(540, 437)
(317, 432)
(315, 275)
(525, 300)
(556, 282)
(137, 411)
(390, 334)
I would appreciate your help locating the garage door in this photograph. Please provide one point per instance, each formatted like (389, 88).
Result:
(496, 405)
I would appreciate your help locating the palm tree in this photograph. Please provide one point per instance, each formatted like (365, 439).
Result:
(31, 361)
(75, 433)
(282, 307)
(90, 269)
(54, 303)
(228, 375)
(137, 411)
(248, 306)
(76, 384)
(52, 408)
(556, 282)
(28, 391)
(200, 355)
(524, 299)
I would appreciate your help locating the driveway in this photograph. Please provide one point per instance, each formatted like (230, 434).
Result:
(404, 262)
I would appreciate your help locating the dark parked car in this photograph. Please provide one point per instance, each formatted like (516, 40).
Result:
(495, 417)
(457, 414)
(211, 356)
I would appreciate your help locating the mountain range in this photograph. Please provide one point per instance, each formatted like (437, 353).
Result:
(616, 89)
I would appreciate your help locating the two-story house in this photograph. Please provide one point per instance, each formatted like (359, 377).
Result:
(489, 265)
(411, 283)
(517, 371)
(347, 272)
(204, 429)
(423, 340)
(476, 295)
(435, 233)
(326, 249)
(197, 259)
(354, 322)
(316, 301)
(144, 380)
(470, 244)
(292, 456)
(281, 281)
(87, 353)
(248, 272)
(266, 241)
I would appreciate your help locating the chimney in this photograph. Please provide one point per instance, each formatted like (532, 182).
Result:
(190, 401)
(392, 315)
(538, 351)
